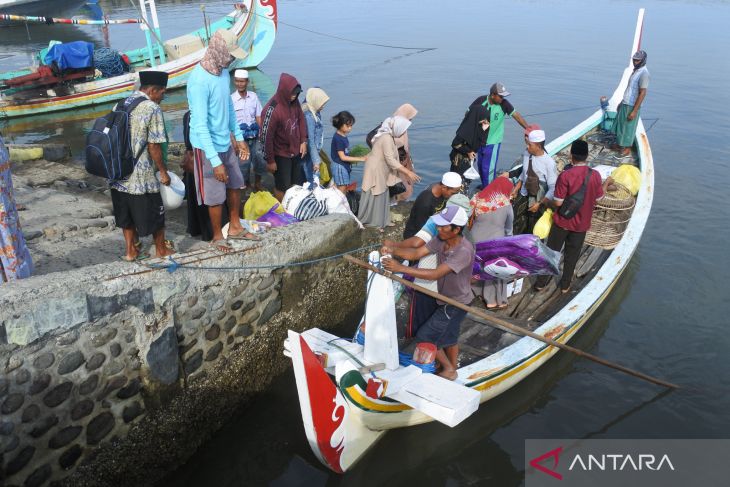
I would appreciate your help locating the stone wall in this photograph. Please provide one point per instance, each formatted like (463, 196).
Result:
(110, 380)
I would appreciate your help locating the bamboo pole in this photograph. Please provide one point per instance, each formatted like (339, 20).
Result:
(505, 325)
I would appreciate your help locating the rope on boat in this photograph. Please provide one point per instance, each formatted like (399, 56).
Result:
(353, 41)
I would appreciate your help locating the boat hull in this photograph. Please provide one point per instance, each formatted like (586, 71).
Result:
(256, 31)
(499, 372)
(38, 7)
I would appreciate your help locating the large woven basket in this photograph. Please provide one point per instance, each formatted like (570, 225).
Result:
(610, 218)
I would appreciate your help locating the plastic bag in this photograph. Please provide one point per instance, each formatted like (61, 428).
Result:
(629, 176)
(542, 227)
(293, 197)
(325, 175)
(521, 253)
(277, 217)
(258, 204)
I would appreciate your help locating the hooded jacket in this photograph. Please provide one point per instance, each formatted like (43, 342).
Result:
(283, 125)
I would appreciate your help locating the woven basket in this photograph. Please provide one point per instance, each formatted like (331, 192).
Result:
(610, 218)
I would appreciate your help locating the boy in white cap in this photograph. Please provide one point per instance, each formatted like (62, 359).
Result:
(430, 201)
(539, 173)
(441, 322)
(248, 117)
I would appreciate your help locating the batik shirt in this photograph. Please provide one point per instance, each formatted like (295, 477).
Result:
(146, 124)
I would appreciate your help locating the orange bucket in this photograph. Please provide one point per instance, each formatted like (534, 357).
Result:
(425, 353)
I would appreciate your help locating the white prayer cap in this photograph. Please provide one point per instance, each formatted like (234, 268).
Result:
(536, 136)
(451, 179)
(240, 74)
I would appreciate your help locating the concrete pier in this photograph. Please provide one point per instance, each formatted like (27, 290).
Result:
(114, 373)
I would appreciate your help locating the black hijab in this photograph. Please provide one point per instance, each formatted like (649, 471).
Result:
(470, 130)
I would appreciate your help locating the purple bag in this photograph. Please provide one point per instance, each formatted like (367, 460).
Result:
(277, 219)
(520, 255)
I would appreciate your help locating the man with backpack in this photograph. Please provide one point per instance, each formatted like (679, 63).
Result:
(576, 191)
(136, 199)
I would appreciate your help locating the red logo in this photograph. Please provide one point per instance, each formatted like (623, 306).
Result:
(555, 455)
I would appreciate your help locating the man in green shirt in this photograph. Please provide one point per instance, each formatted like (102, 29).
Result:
(499, 108)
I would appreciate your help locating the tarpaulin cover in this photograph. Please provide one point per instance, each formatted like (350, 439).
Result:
(71, 55)
(526, 251)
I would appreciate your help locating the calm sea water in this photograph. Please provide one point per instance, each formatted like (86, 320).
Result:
(667, 315)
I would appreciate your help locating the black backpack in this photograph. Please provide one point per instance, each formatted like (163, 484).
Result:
(573, 203)
(109, 145)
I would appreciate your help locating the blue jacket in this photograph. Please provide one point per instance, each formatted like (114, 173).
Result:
(212, 116)
(315, 137)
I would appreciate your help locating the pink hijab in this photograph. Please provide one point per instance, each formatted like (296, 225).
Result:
(216, 57)
(409, 112)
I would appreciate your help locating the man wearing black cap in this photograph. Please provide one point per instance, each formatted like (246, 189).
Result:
(137, 203)
(497, 108)
(571, 230)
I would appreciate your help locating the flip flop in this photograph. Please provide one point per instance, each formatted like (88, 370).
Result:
(140, 256)
(221, 246)
(243, 236)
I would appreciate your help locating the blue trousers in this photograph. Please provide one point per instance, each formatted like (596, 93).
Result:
(487, 163)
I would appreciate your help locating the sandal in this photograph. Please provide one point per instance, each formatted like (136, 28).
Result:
(221, 246)
(140, 256)
(170, 245)
(244, 236)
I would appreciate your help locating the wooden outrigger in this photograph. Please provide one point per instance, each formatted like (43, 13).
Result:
(342, 421)
(254, 22)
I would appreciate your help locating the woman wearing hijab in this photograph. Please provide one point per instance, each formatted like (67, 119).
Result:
(470, 136)
(284, 135)
(628, 110)
(316, 99)
(382, 169)
(404, 150)
(492, 218)
(15, 261)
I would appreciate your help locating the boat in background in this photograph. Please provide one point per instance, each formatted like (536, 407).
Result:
(350, 393)
(39, 7)
(46, 89)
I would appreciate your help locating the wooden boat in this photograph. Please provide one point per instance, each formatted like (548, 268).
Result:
(253, 22)
(343, 418)
(33, 7)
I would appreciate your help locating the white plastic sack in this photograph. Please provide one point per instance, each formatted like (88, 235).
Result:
(293, 197)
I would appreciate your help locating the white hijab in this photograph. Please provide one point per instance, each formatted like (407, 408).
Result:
(393, 126)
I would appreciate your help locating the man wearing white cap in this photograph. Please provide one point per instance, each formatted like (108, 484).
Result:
(430, 201)
(498, 108)
(248, 117)
(441, 322)
(539, 173)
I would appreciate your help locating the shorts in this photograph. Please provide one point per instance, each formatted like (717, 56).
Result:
(288, 172)
(341, 173)
(143, 212)
(210, 191)
(443, 327)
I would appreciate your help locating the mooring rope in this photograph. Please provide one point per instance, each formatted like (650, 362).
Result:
(332, 36)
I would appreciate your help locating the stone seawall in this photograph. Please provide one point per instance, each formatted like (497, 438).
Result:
(108, 380)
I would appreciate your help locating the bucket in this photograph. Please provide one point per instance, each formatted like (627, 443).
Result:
(172, 195)
(425, 353)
